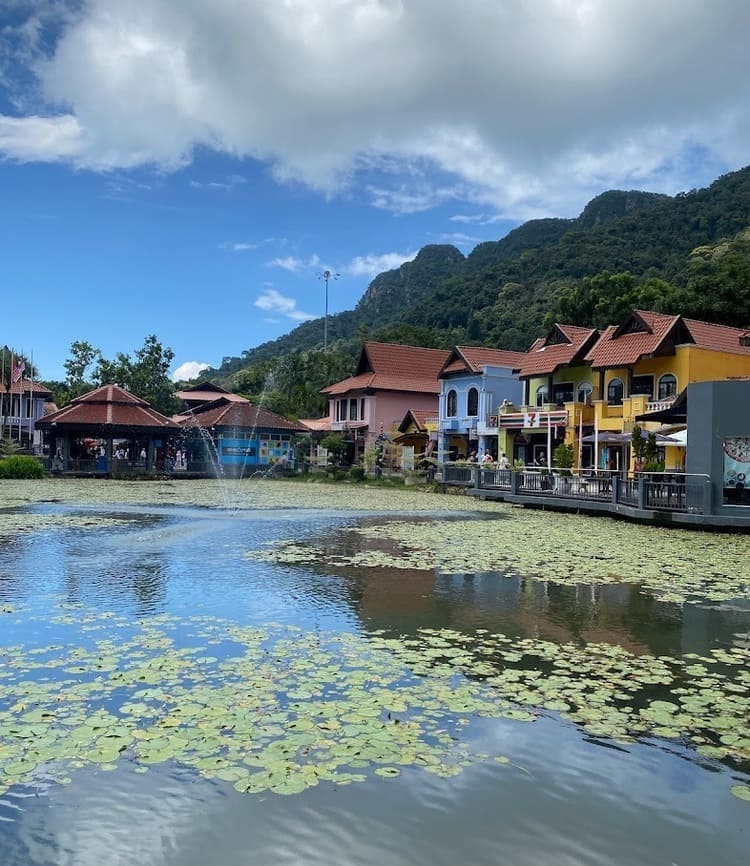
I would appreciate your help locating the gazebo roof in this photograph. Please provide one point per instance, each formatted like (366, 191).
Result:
(226, 412)
(109, 406)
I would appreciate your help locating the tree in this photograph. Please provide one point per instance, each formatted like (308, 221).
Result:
(82, 358)
(150, 376)
(146, 376)
(334, 444)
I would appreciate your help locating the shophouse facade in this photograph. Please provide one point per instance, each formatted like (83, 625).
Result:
(389, 379)
(592, 400)
(475, 382)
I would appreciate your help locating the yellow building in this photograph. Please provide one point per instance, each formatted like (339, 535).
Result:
(643, 363)
(558, 397)
(587, 386)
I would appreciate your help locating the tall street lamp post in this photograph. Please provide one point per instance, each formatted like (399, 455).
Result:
(326, 276)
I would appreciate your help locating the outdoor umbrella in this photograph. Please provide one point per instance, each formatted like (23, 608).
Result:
(661, 438)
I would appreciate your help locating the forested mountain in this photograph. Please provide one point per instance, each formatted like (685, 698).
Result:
(688, 253)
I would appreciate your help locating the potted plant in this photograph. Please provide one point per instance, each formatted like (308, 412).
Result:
(562, 460)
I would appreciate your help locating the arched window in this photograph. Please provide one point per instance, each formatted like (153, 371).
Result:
(472, 403)
(542, 395)
(667, 386)
(585, 389)
(451, 409)
(615, 392)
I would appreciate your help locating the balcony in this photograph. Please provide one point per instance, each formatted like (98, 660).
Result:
(660, 405)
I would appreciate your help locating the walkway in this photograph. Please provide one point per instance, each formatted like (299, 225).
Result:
(658, 498)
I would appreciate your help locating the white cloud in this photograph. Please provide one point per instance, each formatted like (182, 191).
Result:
(229, 183)
(372, 265)
(517, 108)
(42, 139)
(296, 265)
(189, 370)
(238, 246)
(273, 301)
(459, 239)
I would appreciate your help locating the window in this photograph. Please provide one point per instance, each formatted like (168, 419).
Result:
(642, 385)
(542, 395)
(615, 392)
(585, 390)
(362, 409)
(562, 393)
(352, 410)
(342, 410)
(472, 403)
(667, 386)
(451, 409)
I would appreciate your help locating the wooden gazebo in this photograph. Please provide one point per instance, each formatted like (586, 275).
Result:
(108, 430)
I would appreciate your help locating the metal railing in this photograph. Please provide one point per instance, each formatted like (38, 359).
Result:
(654, 491)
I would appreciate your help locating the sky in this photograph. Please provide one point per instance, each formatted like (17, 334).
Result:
(191, 168)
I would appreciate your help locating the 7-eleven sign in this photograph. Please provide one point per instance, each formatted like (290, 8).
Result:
(532, 419)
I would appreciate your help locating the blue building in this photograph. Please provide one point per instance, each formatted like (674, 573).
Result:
(474, 383)
(231, 431)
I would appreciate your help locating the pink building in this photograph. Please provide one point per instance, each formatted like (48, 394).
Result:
(389, 380)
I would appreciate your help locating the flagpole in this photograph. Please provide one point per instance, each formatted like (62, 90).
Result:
(31, 405)
(2, 399)
(20, 398)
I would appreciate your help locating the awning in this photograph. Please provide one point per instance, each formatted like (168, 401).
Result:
(605, 437)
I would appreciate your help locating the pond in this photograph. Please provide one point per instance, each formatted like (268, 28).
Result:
(284, 673)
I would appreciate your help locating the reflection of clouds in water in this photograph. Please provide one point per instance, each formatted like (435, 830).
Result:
(115, 818)
(646, 783)
(573, 810)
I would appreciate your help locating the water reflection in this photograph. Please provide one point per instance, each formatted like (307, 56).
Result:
(583, 806)
(566, 801)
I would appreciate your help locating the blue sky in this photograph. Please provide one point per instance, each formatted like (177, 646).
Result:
(189, 168)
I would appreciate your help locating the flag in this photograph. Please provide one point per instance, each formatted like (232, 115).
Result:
(17, 373)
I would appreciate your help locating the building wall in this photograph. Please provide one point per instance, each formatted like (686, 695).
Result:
(494, 385)
(716, 411)
(389, 408)
(704, 365)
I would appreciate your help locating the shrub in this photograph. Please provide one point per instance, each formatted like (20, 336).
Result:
(21, 466)
(357, 473)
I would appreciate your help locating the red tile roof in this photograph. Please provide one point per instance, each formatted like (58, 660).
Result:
(392, 367)
(621, 347)
(108, 406)
(418, 417)
(472, 359)
(317, 425)
(719, 337)
(564, 345)
(206, 392)
(25, 387)
(224, 412)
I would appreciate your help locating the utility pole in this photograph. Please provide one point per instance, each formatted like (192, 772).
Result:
(326, 276)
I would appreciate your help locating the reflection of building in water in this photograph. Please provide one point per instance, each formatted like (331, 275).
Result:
(402, 601)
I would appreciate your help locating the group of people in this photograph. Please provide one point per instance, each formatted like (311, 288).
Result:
(487, 458)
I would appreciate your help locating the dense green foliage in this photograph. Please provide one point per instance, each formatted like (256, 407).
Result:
(21, 466)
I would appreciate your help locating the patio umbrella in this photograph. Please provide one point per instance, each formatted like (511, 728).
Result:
(661, 438)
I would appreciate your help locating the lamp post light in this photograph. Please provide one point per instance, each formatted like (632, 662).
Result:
(326, 276)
